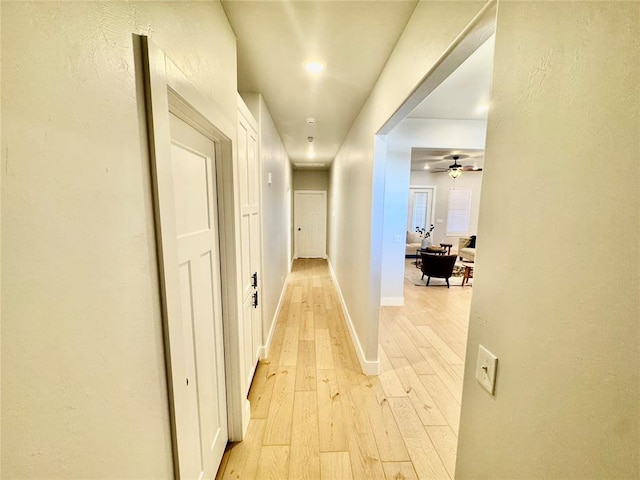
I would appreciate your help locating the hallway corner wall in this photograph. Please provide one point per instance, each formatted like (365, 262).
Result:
(84, 391)
(353, 215)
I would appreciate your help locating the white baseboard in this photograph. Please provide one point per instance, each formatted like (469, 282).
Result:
(264, 350)
(368, 367)
(392, 301)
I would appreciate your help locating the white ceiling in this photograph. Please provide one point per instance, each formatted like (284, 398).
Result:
(353, 38)
(457, 98)
(468, 87)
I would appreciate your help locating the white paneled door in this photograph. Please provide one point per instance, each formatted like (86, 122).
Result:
(202, 429)
(250, 235)
(310, 213)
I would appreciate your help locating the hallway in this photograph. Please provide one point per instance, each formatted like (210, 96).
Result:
(315, 415)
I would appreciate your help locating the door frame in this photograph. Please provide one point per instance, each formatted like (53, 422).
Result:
(295, 219)
(168, 89)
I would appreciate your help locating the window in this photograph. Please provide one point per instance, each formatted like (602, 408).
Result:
(419, 215)
(459, 212)
(420, 207)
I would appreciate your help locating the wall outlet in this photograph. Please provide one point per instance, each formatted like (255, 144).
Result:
(439, 220)
(486, 369)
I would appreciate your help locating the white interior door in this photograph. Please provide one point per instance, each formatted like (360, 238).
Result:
(202, 436)
(250, 235)
(310, 212)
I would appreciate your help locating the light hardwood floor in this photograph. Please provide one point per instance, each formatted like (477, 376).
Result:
(314, 415)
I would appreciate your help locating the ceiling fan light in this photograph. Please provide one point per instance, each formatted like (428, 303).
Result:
(455, 172)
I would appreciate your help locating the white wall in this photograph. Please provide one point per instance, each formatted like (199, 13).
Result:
(311, 180)
(354, 184)
(555, 293)
(275, 210)
(84, 393)
(420, 133)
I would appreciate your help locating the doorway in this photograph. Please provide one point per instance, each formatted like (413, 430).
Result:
(310, 217)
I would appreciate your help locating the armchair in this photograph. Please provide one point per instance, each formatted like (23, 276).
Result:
(438, 266)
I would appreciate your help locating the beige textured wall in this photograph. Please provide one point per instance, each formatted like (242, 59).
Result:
(556, 294)
(354, 183)
(311, 180)
(83, 379)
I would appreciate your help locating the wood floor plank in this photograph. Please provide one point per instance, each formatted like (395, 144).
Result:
(383, 424)
(289, 348)
(365, 459)
(279, 419)
(440, 345)
(410, 329)
(446, 402)
(424, 456)
(399, 471)
(273, 463)
(389, 378)
(448, 376)
(445, 442)
(307, 330)
(304, 462)
(411, 353)
(262, 389)
(242, 457)
(335, 466)
(423, 403)
(332, 433)
(306, 367)
(459, 348)
(387, 342)
(324, 351)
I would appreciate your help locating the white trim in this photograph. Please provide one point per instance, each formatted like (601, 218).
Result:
(368, 367)
(264, 350)
(392, 301)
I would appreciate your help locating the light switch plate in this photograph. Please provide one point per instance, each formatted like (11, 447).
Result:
(486, 369)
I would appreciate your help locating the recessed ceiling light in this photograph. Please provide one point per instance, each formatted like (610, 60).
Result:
(311, 120)
(314, 67)
(482, 108)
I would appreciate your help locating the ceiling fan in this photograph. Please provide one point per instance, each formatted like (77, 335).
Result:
(456, 169)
